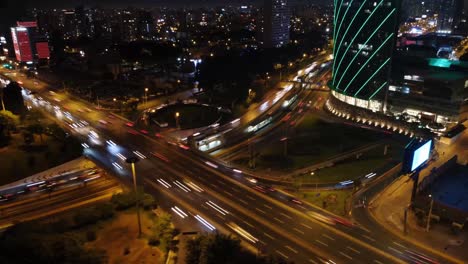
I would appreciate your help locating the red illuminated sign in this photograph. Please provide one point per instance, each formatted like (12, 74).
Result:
(42, 49)
(26, 23)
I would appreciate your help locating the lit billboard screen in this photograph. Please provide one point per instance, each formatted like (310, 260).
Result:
(416, 154)
(421, 155)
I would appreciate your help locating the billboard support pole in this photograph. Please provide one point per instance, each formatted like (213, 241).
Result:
(415, 177)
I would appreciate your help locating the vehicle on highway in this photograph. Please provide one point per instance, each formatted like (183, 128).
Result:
(250, 179)
(322, 218)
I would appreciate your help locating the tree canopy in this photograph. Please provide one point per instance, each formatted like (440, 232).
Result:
(218, 248)
(13, 99)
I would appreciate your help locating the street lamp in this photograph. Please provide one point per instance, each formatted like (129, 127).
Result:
(430, 213)
(132, 161)
(146, 95)
(316, 182)
(177, 120)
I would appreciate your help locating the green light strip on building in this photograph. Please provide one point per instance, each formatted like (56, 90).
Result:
(362, 67)
(335, 2)
(380, 88)
(344, 16)
(370, 78)
(344, 35)
(354, 38)
(337, 15)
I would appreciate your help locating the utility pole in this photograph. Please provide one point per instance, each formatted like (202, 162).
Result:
(132, 161)
(430, 213)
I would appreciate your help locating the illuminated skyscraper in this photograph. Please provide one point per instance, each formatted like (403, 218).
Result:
(364, 36)
(28, 44)
(276, 23)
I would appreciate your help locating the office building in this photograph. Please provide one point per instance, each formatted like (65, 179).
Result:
(28, 44)
(276, 23)
(364, 38)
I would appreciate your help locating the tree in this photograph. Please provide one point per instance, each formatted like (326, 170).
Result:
(219, 248)
(38, 129)
(464, 57)
(13, 98)
(163, 232)
(8, 123)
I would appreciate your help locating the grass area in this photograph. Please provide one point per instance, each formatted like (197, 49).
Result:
(312, 141)
(18, 161)
(106, 232)
(190, 115)
(118, 237)
(333, 201)
(354, 168)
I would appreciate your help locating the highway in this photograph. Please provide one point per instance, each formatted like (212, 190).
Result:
(287, 227)
(42, 203)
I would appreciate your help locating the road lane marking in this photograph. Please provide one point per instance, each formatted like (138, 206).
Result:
(299, 231)
(302, 224)
(249, 224)
(398, 244)
(214, 185)
(260, 210)
(243, 201)
(396, 250)
(320, 242)
(228, 193)
(235, 189)
(221, 182)
(278, 220)
(204, 206)
(292, 249)
(220, 217)
(327, 236)
(282, 254)
(301, 207)
(313, 261)
(378, 262)
(272, 238)
(353, 249)
(286, 215)
(343, 254)
(262, 242)
(368, 237)
(267, 206)
(250, 197)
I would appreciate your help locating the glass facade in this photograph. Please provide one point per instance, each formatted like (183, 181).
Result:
(364, 36)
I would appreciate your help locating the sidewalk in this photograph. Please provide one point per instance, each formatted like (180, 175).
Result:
(388, 207)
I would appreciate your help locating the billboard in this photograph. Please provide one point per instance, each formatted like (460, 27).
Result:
(417, 153)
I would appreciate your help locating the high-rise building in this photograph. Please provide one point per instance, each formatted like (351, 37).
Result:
(29, 45)
(460, 20)
(446, 11)
(276, 23)
(364, 37)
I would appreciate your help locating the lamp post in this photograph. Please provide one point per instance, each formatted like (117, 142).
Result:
(430, 213)
(316, 182)
(177, 119)
(146, 95)
(132, 161)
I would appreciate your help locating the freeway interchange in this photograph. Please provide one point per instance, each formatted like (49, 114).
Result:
(221, 198)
